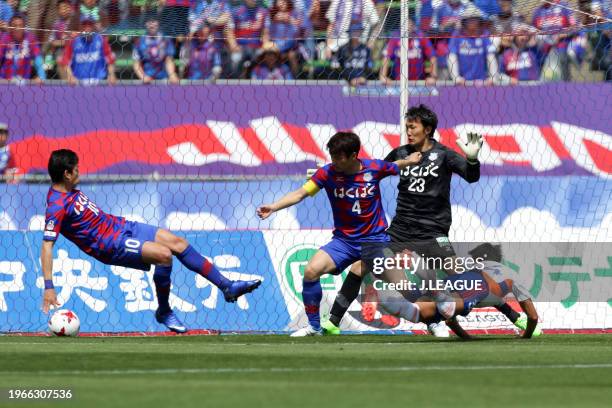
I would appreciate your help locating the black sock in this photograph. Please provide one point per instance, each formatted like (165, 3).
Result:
(509, 312)
(348, 292)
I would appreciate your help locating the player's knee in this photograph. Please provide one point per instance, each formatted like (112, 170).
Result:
(310, 273)
(181, 243)
(357, 269)
(178, 244)
(165, 256)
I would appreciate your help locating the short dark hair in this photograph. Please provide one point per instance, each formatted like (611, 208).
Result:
(60, 161)
(344, 142)
(487, 251)
(16, 16)
(423, 114)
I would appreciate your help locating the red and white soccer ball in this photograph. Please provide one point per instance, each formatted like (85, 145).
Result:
(64, 322)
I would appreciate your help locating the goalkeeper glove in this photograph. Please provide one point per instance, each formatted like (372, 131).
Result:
(472, 146)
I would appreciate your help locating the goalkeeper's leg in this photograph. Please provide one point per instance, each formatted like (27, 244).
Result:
(347, 294)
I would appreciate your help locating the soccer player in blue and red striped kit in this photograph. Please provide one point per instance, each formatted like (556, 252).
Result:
(116, 241)
(352, 186)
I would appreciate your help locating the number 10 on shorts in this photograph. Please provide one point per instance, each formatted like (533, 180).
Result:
(132, 245)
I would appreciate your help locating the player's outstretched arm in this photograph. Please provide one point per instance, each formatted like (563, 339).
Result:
(410, 160)
(454, 325)
(288, 200)
(532, 317)
(46, 261)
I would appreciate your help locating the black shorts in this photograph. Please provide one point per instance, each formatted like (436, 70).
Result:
(439, 247)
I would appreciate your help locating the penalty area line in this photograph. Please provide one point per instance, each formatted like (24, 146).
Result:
(248, 370)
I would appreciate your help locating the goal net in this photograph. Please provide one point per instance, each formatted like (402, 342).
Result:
(190, 115)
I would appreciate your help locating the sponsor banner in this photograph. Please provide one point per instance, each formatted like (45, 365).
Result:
(565, 272)
(114, 299)
(506, 209)
(221, 130)
(110, 298)
(290, 253)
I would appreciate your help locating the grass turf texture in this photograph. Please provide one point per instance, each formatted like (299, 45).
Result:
(344, 371)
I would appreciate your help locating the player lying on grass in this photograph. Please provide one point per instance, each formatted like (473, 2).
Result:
(490, 294)
(475, 288)
(373, 301)
(115, 241)
(352, 186)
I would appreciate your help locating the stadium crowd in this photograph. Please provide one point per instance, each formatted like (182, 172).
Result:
(486, 41)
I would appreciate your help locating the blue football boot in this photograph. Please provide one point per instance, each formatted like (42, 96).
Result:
(170, 320)
(239, 288)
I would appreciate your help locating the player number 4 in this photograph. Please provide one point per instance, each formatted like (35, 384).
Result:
(356, 208)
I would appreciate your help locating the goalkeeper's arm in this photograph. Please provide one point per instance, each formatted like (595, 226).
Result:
(410, 160)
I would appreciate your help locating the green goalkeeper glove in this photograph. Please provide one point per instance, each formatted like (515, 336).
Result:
(472, 147)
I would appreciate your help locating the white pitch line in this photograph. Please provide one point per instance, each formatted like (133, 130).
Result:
(200, 345)
(304, 369)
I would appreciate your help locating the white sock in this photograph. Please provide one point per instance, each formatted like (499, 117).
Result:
(397, 305)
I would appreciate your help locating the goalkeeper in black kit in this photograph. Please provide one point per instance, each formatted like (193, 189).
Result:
(423, 215)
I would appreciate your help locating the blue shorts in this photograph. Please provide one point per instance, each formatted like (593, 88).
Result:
(128, 247)
(472, 297)
(346, 252)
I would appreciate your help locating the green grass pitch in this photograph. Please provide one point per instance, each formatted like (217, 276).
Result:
(345, 371)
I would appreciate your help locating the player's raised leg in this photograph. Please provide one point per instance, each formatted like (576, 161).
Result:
(320, 264)
(194, 261)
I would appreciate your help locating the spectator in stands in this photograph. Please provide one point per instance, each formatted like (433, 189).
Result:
(471, 53)
(7, 162)
(342, 14)
(175, 17)
(218, 15)
(60, 35)
(201, 57)
(19, 53)
(269, 66)
(523, 60)
(41, 14)
(250, 29)
(421, 58)
(556, 19)
(442, 19)
(308, 11)
(6, 12)
(89, 9)
(283, 26)
(88, 58)
(153, 55)
(355, 58)
(488, 7)
(504, 24)
(601, 39)
(507, 18)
